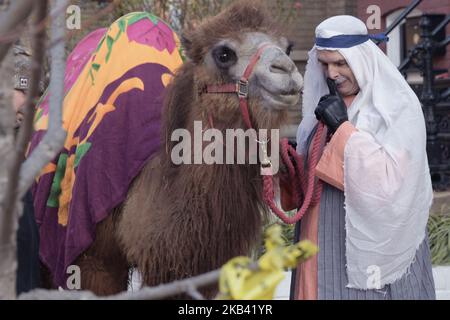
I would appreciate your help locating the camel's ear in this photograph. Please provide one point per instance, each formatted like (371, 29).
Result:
(186, 43)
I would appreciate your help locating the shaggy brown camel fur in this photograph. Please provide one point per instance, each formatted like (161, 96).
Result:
(182, 220)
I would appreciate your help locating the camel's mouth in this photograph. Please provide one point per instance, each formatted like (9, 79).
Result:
(279, 99)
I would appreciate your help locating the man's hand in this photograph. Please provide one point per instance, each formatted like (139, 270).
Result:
(331, 109)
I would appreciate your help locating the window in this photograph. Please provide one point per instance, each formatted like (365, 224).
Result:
(396, 46)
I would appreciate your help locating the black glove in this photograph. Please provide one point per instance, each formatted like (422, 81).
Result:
(331, 109)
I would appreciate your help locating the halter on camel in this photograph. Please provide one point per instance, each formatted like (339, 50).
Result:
(295, 168)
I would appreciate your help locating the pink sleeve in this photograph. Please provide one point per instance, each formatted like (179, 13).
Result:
(331, 165)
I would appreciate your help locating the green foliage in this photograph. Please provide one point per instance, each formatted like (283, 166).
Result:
(439, 236)
(178, 14)
(186, 14)
(438, 233)
(287, 234)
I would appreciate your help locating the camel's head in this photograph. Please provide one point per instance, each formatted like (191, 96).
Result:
(223, 47)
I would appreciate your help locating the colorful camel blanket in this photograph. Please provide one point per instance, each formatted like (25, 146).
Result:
(114, 85)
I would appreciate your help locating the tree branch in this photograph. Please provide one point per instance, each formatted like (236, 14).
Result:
(194, 293)
(12, 195)
(55, 136)
(9, 206)
(7, 245)
(11, 19)
(277, 258)
(163, 291)
(15, 34)
(87, 23)
(147, 293)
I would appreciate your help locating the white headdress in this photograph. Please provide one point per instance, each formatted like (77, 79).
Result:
(386, 176)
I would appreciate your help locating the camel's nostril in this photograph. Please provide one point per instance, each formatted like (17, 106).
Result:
(279, 68)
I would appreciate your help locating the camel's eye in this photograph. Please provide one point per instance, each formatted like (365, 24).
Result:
(224, 57)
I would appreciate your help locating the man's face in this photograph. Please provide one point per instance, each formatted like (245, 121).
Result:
(337, 69)
(18, 102)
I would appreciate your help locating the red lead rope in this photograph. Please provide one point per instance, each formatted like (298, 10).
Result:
(312, 196)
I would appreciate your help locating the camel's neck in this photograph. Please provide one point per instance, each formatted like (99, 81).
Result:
(225, 200)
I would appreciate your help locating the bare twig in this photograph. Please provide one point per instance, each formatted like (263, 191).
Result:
(109, 8)
(7, 246)
(11, 19)
(163, 291)
(14, 34)
(194, 293)
(12, 193)
(88, 23)
(9, 208)
(147, 293)
(54, 138)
